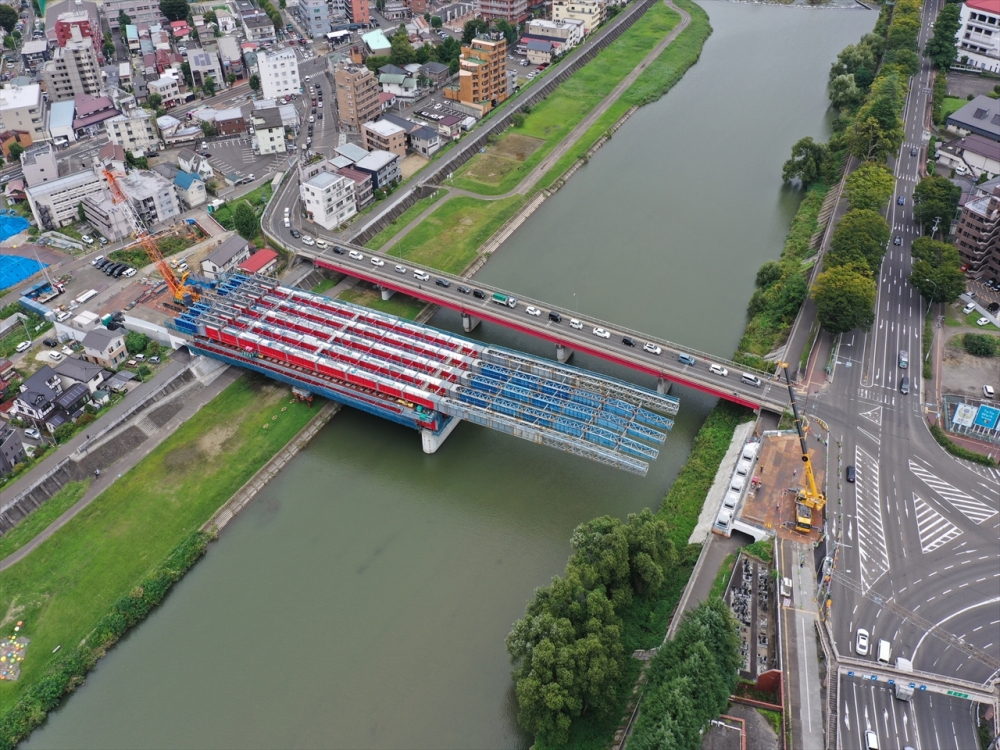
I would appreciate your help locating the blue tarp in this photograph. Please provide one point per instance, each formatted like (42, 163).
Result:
(14, 269)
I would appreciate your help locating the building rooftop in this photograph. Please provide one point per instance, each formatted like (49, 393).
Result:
(63, 183)
(352, 151)
(227, 250)
(981, 115)
(536, 45)
(232, 113)
(99, 339)
(184, 180)
(987, 6)
(34, 47)
(268, 118)
(33, 152)
(141, 185)
(352, 174)
(384, 128)
(339, 162)
(258, 260)
(14, 97)
(424, 133)
(434, 68)
(376, 160)
(376, 40)
(78, 369)
(391, 70)
(323, 180)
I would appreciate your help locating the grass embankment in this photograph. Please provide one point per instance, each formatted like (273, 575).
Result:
(39, 520)
(450, 237)
(137, 257)
(400, 223)
(661, 75)
(399, 304)
(500, 169)
(63, 589)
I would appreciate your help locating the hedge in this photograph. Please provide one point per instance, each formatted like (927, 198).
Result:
(957, 450)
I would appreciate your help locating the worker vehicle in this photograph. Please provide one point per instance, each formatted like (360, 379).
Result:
(808, 498)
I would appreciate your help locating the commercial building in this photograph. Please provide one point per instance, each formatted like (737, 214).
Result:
(980, 116)
(482, 73)
(152, 195)
(328, 199)
(978, 38)
(382, 166)
(205, 65)
(279, 73)
(357, 96)
(230, 122)
(39, 164)
(105, 348)
(591, 12)
(226, 257)
(977, 236)
(315, 17)
(513, 11)
(134, 130)
(138, 11)
(269, 132)
(21, 108)
(384, 135)
(54, 204)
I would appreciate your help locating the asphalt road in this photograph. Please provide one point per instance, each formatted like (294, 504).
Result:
(918, 530)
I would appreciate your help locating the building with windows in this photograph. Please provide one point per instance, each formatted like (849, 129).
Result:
(357, 12)
(364, 193)
(564, 34)
(977, 235)
(230, 55)
(138, 11)
(205, 65)
(54, 204)
(382, 166)
(384, 135)
(190, 189)
(258, 27)
(357, 96)
(38, 163)
(269, 132)
(592, 12)
(34, 54)
(167, 89)
(328, 199)
(11, 450)
(152, 196)
(226, 257)
(105, 217)
(978, 38)
(264, 261)
(315, 17)
(981, 116)
(105, 348)
(21, 108)
(134, 130)
(513, 11)
(230, 122)
(482, 73)
(78, 25)
(36, 400)
(279, 73)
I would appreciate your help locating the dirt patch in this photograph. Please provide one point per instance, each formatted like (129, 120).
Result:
(411, 165)
(517, 147)
(490, 168)
(965, 375)
(213, 442)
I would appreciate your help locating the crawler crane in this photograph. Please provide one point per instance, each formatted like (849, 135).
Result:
(808, 498)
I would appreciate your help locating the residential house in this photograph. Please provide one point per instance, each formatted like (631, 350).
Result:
(377, 43)
(382, 166)
(38, 163)
(190, 189)
(264, 261)
(180, 30)
(72, 371)
(113, 157)
(402, 86)
(34, 54)
(425, 141)
(72, 400)
(167, 89)
(226, 257)
(269, 132)
(328, 199)
(450, 126)
(231, 56)
(258, 27)
(36, 400)
(384, 135)
(437, 73)
(105, 348)
(974, 153)
(173, 132)
(10, 137)
(539, 52)
(364, 193)
(11, 450)
(189, 161)
(351, 151)
(981, 116)
(92, 112)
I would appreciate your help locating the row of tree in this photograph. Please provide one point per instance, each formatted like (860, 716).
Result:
(404, 53)
(567, 650)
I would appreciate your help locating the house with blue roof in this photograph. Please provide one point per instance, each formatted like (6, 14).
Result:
(190, 189)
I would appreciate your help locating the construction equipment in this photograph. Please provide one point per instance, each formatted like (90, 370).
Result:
(182, 291)
(808, 498)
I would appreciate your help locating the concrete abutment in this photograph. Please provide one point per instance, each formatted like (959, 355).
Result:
(563, 354)
(431, 441)
(469, 323)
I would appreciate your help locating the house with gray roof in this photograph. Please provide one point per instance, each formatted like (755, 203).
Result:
(981, 116)
(105, 348)
(72, 371)
(36, 400)
(226, 257)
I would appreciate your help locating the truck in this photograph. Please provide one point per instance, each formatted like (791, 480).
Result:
(903, 690)
(503, 299)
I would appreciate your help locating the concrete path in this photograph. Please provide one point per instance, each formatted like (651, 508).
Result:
(127, 461)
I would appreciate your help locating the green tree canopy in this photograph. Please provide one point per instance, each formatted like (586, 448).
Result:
(136, 342)
(245, 220)
(861, 237)
(472, 28)
(941, 48)
(8, 41)
(981, 344)
(210, 17)
(870, 186)
(806, 162)
(935, 199)
(905, 59)
(209, 86)
(186, 72)
(509, 31)
(175, 10)
(936, 271)
(255, 82)
(845, 298)
(124, 19)
(8, 18)
(154, 101)
(15, 150)
(852, 58)
(844, 92)
(869, 141)
(436, 22)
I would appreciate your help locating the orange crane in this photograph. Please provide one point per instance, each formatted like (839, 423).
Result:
(182, 291)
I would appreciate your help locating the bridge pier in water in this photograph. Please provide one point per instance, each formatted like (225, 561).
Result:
(663, 386)
(387, 293)
(469, 324)
(563, 354)
(431, 442)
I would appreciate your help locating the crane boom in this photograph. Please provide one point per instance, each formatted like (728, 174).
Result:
(808, 498)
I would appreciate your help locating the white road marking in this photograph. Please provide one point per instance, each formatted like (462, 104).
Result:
(934, 529)
(871, 532)
(973, 509)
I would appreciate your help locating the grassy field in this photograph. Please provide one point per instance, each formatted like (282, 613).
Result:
(398, 304)
(65, 586)
(38, 521)
(378, 241)
(552, 119)
(324, 286)
(951, 105)
(449, 238)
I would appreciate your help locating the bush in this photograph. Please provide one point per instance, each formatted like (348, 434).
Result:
(957, 450)
(981, 344)
(762, 550)
(136, 342)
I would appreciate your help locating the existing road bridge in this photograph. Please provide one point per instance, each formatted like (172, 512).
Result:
(569, 331)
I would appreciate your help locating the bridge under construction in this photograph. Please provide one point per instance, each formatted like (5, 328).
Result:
(422, 377)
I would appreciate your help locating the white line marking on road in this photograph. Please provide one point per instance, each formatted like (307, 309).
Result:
(933, 529)
(873, 553)
(973, 509)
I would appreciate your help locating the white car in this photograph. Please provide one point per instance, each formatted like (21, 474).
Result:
(862, 643)
(55, 356)
(400, 269)
(288, 210)
(988, 391)
(356, 255)
(421, 276)
(983, 322)
(88, 239)
(33, 433)
(320, 104)
(968, 308)
(288, 222)
(602, 333)
(307, 240)
(533, 311)
(23, 346)
(378, 262)
(652, 349)
(97, 260)
(574, 323)
(718, 370)
(66, 314)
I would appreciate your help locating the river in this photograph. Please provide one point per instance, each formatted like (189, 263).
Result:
(363, 598)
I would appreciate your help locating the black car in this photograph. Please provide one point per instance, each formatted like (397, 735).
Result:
(50, 342)
(850, 474)
(898, 240)
(555, 317)
(913, 152)
(296, 233)
(628, 341)
(110, 269)
(464, 290)
(338, 250)
(119, 271)
(993, 307)
(101, 264)
(900, 201)
(442, 282)
(319, 116)
(479, 294)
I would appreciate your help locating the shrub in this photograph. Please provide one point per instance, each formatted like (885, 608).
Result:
(981, 344)
(957, 450)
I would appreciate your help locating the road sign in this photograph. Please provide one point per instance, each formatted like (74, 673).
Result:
(964, 415)
(850, 673)
(957, 694)
(987, 416)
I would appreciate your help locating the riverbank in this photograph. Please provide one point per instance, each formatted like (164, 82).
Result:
(63, 589)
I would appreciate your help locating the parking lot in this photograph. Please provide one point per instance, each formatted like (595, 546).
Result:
(235, 156)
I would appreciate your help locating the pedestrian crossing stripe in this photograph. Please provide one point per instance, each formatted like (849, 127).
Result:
(973, 509)
(934, 529)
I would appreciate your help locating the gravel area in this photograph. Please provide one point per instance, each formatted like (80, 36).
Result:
(964, 374)
(963, 84)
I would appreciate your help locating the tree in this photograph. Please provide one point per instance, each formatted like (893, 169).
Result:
(136, 342)
(80, 213)
(473, 28)
(845, 298)
(517, 119)
(869, 141)
(15, 150)
(936, 271)
(245, 220)
(255, 82)
(154, 101)
(853, 58)
(935, 200)
(806, 163)
(124, 19)
(175, 10)
(210, 17)
(981, 344)
(186, 71)
(903, 33)
(870, 186)
(941, 48)
(861, 237)
(208, 86)
(402, 50)
(8, 41)
(509, 32)
(844, 92)
(231, 79)
(436, 22)
(8, 18)
(207, 128)
(905, 59)
(109, 46)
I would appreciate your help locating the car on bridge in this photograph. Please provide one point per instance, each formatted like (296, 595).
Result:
(421, 276)
(532, 310)
(602, 333)
(652, 349)
(355, 255)
(377, 262)
(574, 323)
(718, 370)
(399, 269)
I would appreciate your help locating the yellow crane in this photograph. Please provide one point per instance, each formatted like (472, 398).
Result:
(808, 498)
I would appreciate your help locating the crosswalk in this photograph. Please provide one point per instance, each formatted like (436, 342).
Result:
(871, 531)
(934, 529)
(973, 509)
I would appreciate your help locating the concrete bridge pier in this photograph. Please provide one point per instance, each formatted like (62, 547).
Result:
(469, 324)
(663, 386)
(387, 293)
(432, 442)
(563, 354)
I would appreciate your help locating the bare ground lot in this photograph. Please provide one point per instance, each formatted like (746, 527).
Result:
(963, 374)
(503, 158)
(963, 84)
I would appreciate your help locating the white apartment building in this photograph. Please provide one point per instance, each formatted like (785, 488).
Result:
(567, 33)
(328, 199)
(73, 70)
(106, 217)
(279, 73)
(134, 130)
(153, 196)
(167, 88)
(592, 12)
(269, 132)
(139, 11)
(978, 38)
(38, 163)
(21, 108)
(55, 204)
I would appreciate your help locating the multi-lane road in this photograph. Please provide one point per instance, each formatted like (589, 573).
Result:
(917, 532)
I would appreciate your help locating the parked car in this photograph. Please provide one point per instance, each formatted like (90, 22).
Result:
(33, 433)
(97, 260)
(50, 342)
(983, 322)
(993, 307)
(87, 239)
(988, 391)
(968, 308)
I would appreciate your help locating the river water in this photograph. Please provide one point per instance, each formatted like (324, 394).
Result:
(363, 598)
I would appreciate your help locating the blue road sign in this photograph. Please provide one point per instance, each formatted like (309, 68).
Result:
(923, 687)
(850, 674)
(892, 682)
(987, 417)
(874, 678)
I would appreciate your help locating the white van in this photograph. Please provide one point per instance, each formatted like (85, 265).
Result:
(751, 380)
(737, 483)
(722, 522)
(883, 652)
(743, 467)
(730, 500)
(750, 451)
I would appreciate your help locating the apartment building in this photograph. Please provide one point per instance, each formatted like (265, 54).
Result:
(385, 136)
(565, 34)
(269, 131)
(978, 234)
(482, 73)
(167, 88)
(205, 65)
(315, 17)
(54, 203)
(513, 11)
(278, 72)
(357, 96)
(357, 11)
(21, 109)
(133, 130)
(138, 11)
(364, 193)
(592, 12)
(382, 166)
(38, 163)
(258, 27)
(105, 217)
(978, 38)
(152, 195)
(77, 26)
(328, 199)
